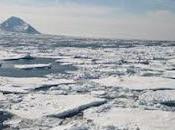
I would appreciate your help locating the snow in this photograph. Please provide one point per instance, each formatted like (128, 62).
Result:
(133, 119)
(76, 61)
(171, 62)
(71, 127)
(11, 89)
(66, 127)
(24, 85)
(33, 66)
(15, 24)
(137, 83)
(2, 97)
(98, 93)
(169, 74)
(6, 55)
(36, 106)
(86, 73)
(16, 57)
(160, 96)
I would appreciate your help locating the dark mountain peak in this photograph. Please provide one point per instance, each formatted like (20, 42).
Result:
(15, 24)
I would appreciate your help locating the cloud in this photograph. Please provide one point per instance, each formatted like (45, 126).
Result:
(95, 21)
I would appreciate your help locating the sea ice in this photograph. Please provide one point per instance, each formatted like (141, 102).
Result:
(160, 96)
(23, 85)
(2, 97)
(137, 83)
(36, 106)
(33, 66)
(133, 119)
(169, 74)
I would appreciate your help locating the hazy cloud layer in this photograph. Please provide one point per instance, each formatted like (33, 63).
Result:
(96, 19)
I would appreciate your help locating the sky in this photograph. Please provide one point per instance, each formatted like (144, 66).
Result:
(122, 19)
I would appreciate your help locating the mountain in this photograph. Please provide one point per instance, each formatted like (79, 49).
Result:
(15, 24)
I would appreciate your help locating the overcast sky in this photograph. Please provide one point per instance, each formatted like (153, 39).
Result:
(140, 19)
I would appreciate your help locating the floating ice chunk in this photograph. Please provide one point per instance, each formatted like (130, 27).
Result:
(137, 83)
(2, 97)
(7, 55)
(161, 96)
(4, 115)
(65, 127)
(171, 62)
(24, 85)
(10, 89)
(133, 118)
(71, 60)
(38, 105)
(169, 74)
(71, 127)
(18, 57)
(33, 66)
(98, 93)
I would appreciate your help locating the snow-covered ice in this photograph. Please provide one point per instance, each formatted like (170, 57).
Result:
(169, 74)
(160, 96)
(38, 105)
(23, 85)
(33, 66)
(133, 119)
(137, 83)
(2, 97)
(69, 83)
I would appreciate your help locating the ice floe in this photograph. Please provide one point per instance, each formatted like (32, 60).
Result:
(38, 105)
(18, 57)
(137, 83)
(133, 119)
(160, 96)
(8, 55)
(33, 66)
(66, 127)
(169, 74)
(11, 89)
(2, 97)
(24, 85)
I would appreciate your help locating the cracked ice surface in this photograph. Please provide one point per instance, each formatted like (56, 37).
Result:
(69, 83)
(160, 96)
(23, 85)
(2, 97)
(134, 119)
(137, 83)
(38, 105)
(33, 66)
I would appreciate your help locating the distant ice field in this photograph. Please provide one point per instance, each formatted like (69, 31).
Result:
(70, 83)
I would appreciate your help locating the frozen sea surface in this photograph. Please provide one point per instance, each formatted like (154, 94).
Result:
(69, 83)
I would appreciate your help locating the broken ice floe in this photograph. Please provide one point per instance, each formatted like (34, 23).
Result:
(2, 97)
(73, 127)
(10, 89)
(33, 66)
(65, 127)
(133, 119)
(169, 74)
(8, 55)
(18, 57)
(137, 83)
(36, 106)
(164, 97)
(24, 85)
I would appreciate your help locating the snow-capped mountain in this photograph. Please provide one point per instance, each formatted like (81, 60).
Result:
(15, 24)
